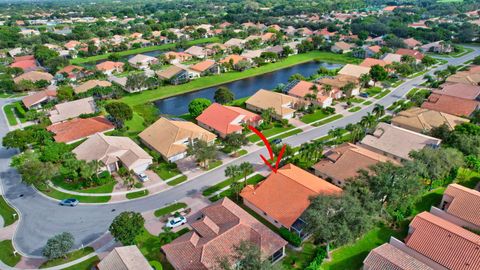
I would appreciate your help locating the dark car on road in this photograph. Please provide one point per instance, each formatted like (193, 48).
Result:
(276, 141)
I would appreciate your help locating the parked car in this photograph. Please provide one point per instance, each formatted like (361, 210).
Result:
(174, 222)
(364, 95)
(142, 177)
(69, 202)
(276, 141)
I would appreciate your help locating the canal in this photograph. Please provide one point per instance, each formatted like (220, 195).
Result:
(178, 105)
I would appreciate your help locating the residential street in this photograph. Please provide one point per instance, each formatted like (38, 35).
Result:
(41, 218)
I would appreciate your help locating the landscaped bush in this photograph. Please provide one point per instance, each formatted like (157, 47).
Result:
(318, 260)
(291, 237)
(138, 185)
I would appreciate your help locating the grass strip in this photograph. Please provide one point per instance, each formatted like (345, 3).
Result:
(9, 215)
(72, 256)
(6, 253)
(328, 120)
(169, 209)
(137, 194)
(355, 109)
(177, 181)
(85, 265)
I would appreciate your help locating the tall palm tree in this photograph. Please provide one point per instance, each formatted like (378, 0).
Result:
(246, 168)
(356, 133)
(369, 121)
(232, 171)
(364, 80)
(378, 110)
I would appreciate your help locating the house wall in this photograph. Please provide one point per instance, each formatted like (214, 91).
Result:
(263, 214)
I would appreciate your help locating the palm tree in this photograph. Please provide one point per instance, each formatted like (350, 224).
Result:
(368, 121)
(246, 168)
(378, 111)
(328, 88)
(232, 171)
(364, 80)
(267, 115)
(356, 133)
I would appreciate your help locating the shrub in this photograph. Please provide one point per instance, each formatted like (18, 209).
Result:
(138, 185)
(292, 238)
(318, 260)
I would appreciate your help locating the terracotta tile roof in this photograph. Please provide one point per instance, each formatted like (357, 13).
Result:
(354, 70)
(23, 58)
(79, 128)
(423, 120)
(449, 104)
(70, 68)
(84, 87)
(124, 258)
(202, 66)
(369, 62)
(388, 257)
(344, 161)
(264, 99)
(196, 51)
(25, 65)
(343, 45)
(385, 139)
(223, 226)
(169, 72)
(466, 77)
(226, 119)
(34, 76)
(465, 204)
(444, 242)
(38, 97)
(415, 54)
(235, 58)
(411, 42)
(338, 81)
(284, 195)
(109, 65)
(375, 48)
(234, 42)
(392, 57)
(103, 148)
(303, 88)
(460, 90)
(167, 136)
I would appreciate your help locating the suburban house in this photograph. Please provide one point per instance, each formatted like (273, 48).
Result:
(177, 57)
(283, 196)
(113, 152)
(225, 120)
(462, 204)
(219, 228)
(343, 163)
(71, 72)
(338, 82)
(422, 120)
(84, 87)
(390, 256)
(171, 137)
(33, 76)
(174, 75)
(341, 47)
(392, 57)
(251, 54)
(471, 76)
(37, 99)
(204, 68)
(77, 129)
(444, 242)
(110, 67)
(366, 51)
(354, 70)
(411, 43)
(385, 141)
(460, 90)
(234, 42)
(451, 105)
(124, 258)
(26, 63)
(370, 62)
(310, 92)
(415, 54)
(233, 59)
(283, 105)
(197, 51)
(437, 47)
(72, 109)
(142, 61)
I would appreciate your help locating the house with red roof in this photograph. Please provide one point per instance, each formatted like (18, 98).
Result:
(110, 67)
(311, 92)
(77, 129)
(415, 54)
(218, 229)
(225, 120)
(451, 105)
(411, 43)
(203, 68)
(26, 63)
(370, 62)
(39, 98)
(461, 205)
(283, 196)
(72, 72)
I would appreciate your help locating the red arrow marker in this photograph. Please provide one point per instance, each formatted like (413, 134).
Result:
(270, 152)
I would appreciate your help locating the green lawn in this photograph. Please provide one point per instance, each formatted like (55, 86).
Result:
(169, 209)
(429, 199)
(214, 164)
(177, 181)
(356, 100)
(137, 194)
(166, 170)
(7, 212)
(107, 188)
(77, 186)
(328, 120)
(85, 265)
(135, 125)
(269, 133)
(8, 109)
(53, 193)
(317, 115)
(382, 94)
(6, 253)
(467, 178)
(373, 90)
(299, 259)
(72, 256)
(209, 81)
(355, 109)
(368, 102)
(82, 60)
(351, 257)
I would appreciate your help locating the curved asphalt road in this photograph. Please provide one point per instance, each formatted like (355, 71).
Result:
(41, 218)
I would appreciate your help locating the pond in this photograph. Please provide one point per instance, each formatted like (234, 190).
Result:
(178, 105)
